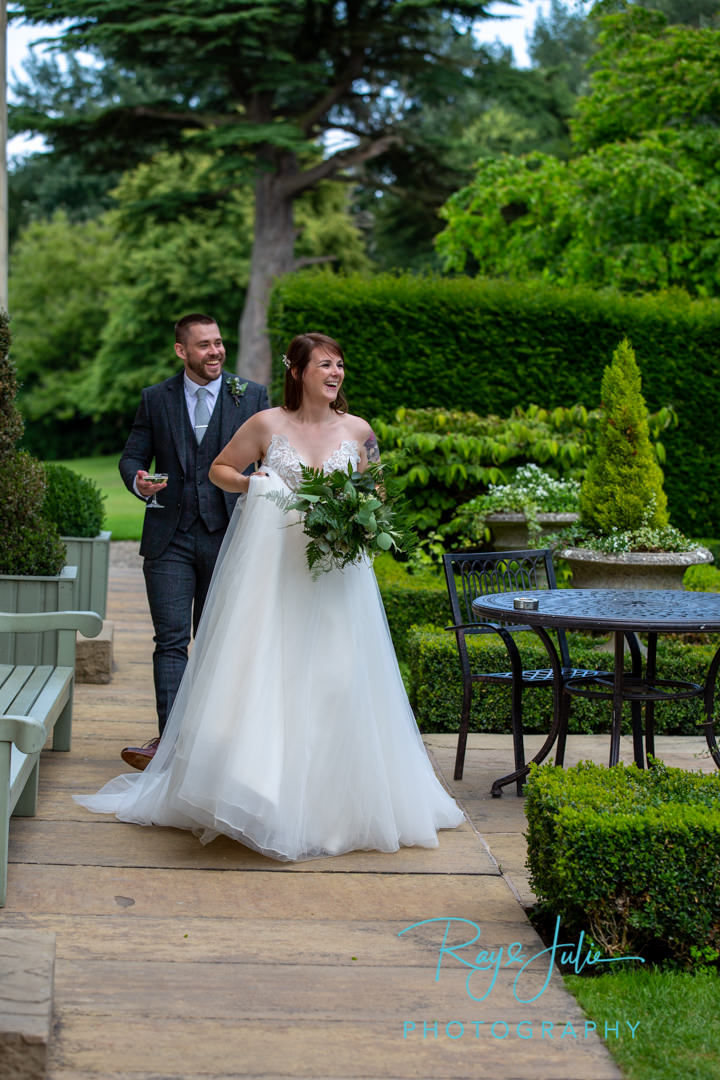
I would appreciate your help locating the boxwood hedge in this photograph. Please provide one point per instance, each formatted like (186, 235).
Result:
(436, 684)
(630, 856)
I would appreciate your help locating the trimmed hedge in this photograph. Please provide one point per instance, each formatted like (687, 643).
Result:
(436, 684)
(487, 346)
(74, 503)
(630, 855)
(703, 578)
(409, 599)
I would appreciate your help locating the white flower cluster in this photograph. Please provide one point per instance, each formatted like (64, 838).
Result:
(534, 486)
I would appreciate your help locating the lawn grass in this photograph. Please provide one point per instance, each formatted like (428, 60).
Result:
(123, 512)
(678, 1037)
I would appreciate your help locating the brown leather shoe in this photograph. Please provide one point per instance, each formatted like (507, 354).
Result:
(139, 757)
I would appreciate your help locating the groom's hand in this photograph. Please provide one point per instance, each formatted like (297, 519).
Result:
(144, 487)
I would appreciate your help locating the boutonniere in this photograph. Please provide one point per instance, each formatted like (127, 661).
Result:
(236, 388)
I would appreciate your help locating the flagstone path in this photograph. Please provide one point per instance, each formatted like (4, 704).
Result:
(175, 960)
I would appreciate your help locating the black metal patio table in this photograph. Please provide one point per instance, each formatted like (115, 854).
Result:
(620, 611)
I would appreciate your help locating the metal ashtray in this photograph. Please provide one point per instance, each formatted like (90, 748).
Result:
(525, 603)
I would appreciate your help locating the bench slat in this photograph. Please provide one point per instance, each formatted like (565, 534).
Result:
(52, 698)
(14, 684)
(22, 704)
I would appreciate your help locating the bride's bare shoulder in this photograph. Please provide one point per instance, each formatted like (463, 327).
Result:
(358, 428)
(270, 421)
(363, 434)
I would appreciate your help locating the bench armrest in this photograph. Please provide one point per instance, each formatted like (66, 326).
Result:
(87, 622)
(28, 734)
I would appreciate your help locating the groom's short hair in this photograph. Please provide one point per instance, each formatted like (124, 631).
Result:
(183, 325)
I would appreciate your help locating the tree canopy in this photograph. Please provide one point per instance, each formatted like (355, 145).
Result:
(637, 205)
(256, 86)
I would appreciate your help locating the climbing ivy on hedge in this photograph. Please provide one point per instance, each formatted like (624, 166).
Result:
(487, 346)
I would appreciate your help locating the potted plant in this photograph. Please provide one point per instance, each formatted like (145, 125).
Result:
(521, 513)
(32, 556)
(626, 539)
(75, 504)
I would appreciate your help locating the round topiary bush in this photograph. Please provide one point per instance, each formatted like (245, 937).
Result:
(30, 543)
(73, 502)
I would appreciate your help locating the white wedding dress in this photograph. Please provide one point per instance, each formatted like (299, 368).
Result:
(291, 731)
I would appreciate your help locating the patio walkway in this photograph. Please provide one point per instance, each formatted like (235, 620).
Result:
(177, 960)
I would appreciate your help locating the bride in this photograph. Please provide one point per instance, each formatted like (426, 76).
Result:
(291, 731)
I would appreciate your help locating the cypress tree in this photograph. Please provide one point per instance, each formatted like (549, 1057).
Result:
(623, 485)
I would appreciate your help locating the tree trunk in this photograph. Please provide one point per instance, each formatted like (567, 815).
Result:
(272, 256)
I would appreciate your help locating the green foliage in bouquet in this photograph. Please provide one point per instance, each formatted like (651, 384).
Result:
(73, 502)
(346, 517)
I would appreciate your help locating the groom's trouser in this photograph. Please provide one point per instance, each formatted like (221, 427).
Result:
(177, 583)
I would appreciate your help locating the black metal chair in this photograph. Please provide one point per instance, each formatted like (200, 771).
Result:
(472, 574)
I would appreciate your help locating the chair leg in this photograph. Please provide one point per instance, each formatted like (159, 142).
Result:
(563, 732)
(463, 730)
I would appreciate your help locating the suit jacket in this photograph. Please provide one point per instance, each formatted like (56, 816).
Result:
(159, 434)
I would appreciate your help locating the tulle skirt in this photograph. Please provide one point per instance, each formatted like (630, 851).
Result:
(291, 731)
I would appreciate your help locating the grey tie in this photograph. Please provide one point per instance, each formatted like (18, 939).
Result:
(202, 413)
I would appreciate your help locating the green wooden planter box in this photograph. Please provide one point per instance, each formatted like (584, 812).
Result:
(20, 593)
(91, 555)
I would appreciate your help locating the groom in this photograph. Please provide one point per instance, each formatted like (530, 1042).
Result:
(182, 424)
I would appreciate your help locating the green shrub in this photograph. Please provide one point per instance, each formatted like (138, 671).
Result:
(73, 502)
(36, 551)
(702, 578)
(488, 346)
(436, 684)
(11, 425)
(30, 543)
(631, 856)
(441, 459)
(410, 598)
(623, 484)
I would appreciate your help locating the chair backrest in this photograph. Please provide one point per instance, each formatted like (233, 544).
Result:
(477, 573)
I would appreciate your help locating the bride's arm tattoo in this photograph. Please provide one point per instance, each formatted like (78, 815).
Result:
(371, 448)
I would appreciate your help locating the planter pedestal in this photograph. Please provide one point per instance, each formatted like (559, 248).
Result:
(510, 529)
(631, 570)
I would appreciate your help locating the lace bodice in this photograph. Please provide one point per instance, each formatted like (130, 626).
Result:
(283, 458)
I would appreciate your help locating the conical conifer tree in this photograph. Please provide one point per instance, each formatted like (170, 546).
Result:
(623, 485)
(30, 543)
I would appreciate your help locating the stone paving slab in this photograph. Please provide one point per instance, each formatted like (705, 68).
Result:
(27, 964)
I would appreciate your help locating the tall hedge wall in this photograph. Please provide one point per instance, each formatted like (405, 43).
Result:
(489, 345)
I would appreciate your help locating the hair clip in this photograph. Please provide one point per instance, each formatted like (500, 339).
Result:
(286, 362)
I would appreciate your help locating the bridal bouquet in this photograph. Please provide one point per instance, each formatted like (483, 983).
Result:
(345, 517)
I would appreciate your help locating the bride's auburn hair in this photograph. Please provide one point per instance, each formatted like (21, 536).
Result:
(297, 358)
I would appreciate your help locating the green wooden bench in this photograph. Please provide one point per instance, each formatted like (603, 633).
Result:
(34, 700)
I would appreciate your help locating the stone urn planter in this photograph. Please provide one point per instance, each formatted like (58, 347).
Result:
(633, 569)
(510, 528)
(91, 555)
